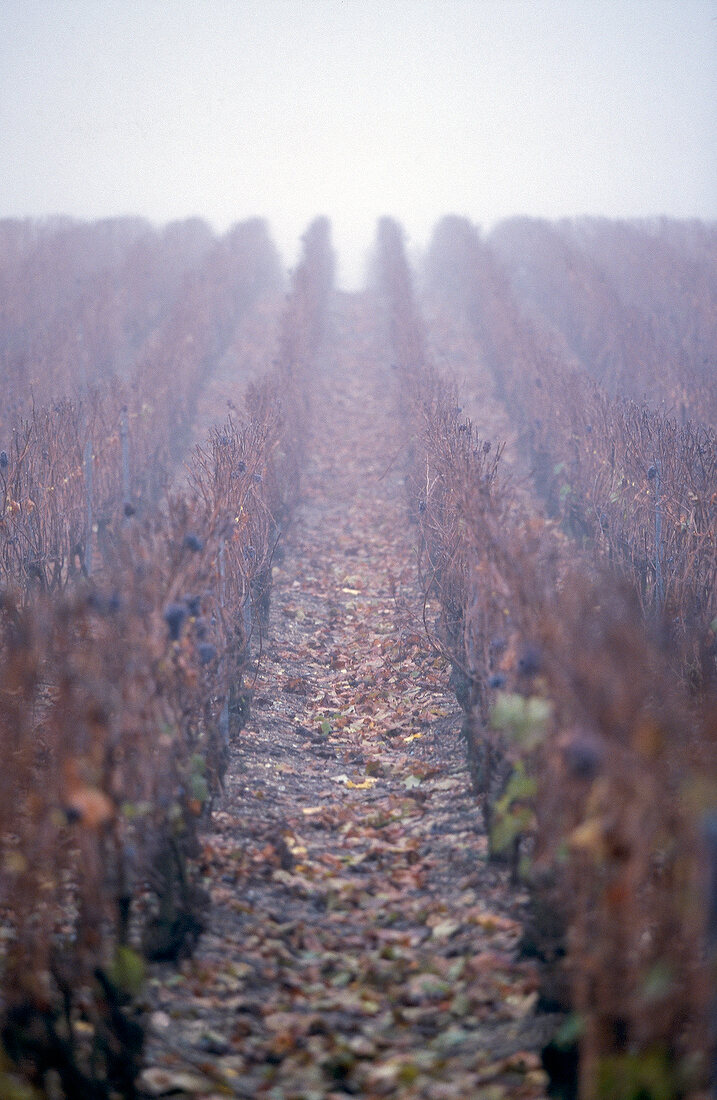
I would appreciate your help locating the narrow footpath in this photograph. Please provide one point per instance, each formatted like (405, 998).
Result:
(358, 942)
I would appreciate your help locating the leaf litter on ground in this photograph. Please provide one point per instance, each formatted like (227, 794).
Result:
(359, 942)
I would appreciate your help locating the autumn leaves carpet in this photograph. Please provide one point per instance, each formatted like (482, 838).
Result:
(358, 942)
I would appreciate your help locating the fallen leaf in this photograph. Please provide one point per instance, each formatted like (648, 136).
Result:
(445, 930)
(90, 806)
(161, 1082)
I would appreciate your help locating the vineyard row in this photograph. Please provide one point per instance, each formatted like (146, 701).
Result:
(580, 622)
(126, 640)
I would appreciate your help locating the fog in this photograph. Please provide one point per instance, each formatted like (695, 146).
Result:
(292, 108)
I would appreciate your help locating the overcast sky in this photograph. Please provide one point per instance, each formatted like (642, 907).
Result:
(357, 108)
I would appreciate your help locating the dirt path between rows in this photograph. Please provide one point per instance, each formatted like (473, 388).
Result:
(358, 942)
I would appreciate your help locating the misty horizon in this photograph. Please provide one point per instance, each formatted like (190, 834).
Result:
(484, 109)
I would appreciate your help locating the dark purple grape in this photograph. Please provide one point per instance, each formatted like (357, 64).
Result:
(530, 662)
(194, 605)
(584, 755)
(174, 616)
(207, 652)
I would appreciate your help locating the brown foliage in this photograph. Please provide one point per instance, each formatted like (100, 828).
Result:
(121, 683)
(586, 661)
